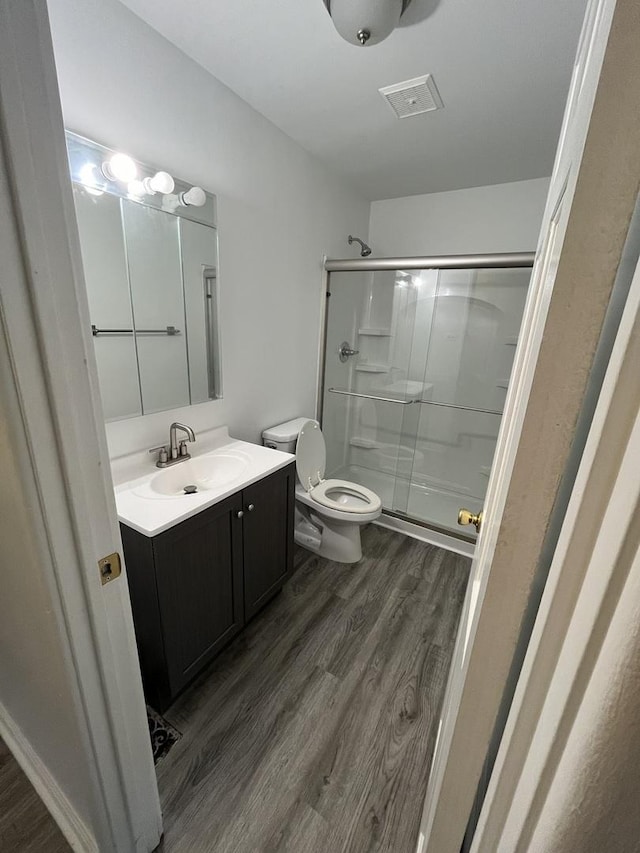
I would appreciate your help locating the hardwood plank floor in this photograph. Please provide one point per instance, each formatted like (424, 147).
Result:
(314, 731)
(25, 824)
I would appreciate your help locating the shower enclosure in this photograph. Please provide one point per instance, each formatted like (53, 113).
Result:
(418, 355)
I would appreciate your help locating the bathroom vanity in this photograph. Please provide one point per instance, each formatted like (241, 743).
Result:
(208, 540)
(201, 565)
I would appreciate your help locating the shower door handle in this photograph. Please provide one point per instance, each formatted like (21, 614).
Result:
(345, 351)
(465, 517)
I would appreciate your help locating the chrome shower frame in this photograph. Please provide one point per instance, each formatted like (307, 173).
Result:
(504, 260)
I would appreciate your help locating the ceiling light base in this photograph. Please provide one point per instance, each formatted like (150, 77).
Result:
(365, 22)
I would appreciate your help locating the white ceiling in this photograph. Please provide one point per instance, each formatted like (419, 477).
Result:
(502, 68)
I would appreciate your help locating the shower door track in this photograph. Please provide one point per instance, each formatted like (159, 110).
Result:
(427, 525)
(504, 260)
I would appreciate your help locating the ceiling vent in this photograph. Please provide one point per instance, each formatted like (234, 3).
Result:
(413, 97)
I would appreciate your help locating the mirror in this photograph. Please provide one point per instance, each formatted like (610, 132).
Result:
(151, 274)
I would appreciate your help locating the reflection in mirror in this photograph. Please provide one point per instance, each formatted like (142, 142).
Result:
(150, 264)
(153, 255)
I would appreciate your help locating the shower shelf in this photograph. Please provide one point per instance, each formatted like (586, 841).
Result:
(372, 368)
(364, 443)
(375, 333)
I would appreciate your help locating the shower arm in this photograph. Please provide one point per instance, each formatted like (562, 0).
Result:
(365, 250)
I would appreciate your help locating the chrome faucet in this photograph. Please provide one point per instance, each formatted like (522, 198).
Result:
(176, 451)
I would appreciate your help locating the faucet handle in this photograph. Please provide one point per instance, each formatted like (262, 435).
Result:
(163, 453)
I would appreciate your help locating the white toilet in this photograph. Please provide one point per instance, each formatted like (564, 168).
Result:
(329, 513)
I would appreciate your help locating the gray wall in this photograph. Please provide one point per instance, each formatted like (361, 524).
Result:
(498, 218)
(279, 208)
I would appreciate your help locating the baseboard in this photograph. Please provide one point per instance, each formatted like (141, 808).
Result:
(425, 534)
(71, 825)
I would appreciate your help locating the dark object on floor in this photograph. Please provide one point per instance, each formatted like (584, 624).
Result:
(163, 735)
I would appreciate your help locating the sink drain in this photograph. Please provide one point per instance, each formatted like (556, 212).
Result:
(190, 490)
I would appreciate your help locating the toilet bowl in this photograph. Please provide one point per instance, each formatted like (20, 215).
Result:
(329, 513)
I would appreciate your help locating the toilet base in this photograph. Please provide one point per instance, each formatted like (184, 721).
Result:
(341, 543)
(334, 540)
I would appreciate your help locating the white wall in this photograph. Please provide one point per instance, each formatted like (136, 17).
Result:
(499, 218)
(279, 209)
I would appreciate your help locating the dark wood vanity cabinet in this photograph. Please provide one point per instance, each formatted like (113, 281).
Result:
(267, 541)
(194, 586)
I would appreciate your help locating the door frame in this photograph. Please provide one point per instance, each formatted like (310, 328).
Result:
(593, 560)
(45, 324)
(592, 195)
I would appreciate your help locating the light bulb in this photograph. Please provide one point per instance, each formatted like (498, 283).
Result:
(161, 182)
(196, 196)
(120, 168)
(88, 175)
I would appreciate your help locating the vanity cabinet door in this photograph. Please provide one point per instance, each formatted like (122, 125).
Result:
(268, 507)
(198, 567)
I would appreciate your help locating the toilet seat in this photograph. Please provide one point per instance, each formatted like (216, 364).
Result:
(338, 495)
(363, 500)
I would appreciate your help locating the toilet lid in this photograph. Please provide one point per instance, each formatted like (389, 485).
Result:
(311, 455)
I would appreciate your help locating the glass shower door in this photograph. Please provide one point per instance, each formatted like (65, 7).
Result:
(365, 393)
(413, 413)
(474, 320)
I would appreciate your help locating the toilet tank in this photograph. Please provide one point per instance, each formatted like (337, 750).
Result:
(284, 436)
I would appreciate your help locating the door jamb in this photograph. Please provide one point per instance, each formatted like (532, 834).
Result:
(46, 321)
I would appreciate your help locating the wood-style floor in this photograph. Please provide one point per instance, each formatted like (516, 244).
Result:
(314, 731)
(25, 824)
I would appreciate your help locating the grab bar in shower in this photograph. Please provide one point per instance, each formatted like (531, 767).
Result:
(464, 408)
(408, 402)
(371, 397)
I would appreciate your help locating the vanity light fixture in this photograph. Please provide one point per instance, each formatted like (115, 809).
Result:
(161, 182)
(196, 196)
(136, 189)
(89, 178)
(120, 167)
(365, 22)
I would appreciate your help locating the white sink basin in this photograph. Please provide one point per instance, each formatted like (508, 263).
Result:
(206, 473)
(152, 500)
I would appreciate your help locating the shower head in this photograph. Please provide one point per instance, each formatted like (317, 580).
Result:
(365, 251)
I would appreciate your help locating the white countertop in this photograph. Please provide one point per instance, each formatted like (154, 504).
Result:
(150, 512)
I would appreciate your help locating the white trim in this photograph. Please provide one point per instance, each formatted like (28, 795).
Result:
(601, 513)
(71, 824)
(425, 534)
(46, 325)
